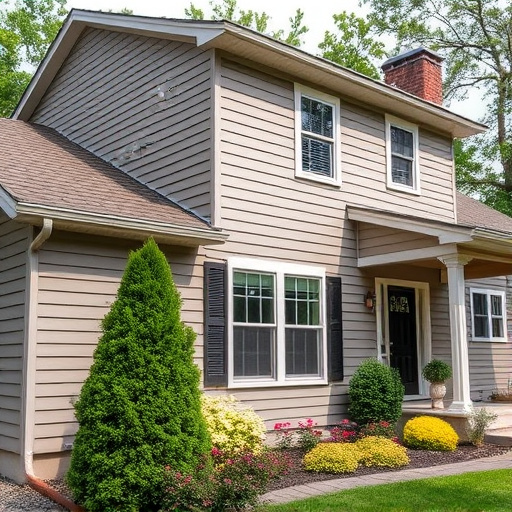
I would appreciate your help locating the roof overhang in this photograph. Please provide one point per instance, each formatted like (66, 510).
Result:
(490, 251)
(108, 225)
(256, 47)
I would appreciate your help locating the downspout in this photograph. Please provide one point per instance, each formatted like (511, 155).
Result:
(30, 357)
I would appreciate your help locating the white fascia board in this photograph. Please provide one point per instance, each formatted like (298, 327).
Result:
(405, 256)
(93, 219)
(446, 234)
(7, 203)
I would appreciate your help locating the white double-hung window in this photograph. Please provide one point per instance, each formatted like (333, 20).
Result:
(317, 130)
(276, 327)
(402, 160)
(488, 316)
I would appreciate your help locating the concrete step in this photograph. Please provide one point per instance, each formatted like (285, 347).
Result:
(500, 436)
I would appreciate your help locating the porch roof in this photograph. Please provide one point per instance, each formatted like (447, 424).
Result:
(481, 233)
(44, 175)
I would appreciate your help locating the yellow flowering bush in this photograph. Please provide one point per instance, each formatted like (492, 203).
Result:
(332, 458)
(381, 452)
(429, 433)
(233, 427)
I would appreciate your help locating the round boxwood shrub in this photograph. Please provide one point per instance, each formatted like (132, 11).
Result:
(436, 371)
(429, 433)
(376, 393)
(233, 427)
(139, 410)
(332, 458)
(381, 452)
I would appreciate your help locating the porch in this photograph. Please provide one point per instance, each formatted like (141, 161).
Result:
(500, 431)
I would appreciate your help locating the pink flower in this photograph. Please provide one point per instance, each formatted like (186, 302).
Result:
(227, 481)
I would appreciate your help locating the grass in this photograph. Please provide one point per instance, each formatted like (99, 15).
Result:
(485, 491)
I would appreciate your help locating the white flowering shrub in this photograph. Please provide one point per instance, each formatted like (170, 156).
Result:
(233, 427)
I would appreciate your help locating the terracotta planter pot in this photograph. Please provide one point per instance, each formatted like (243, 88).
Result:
(437, 393)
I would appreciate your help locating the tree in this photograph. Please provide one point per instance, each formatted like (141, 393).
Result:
(475, 36)
(26, 30)
(139, 410)
(354, 46)
(229, 10)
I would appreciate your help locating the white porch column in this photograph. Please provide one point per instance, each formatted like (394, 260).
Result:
(458, 331)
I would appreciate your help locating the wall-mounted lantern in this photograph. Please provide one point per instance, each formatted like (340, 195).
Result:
(369, 300)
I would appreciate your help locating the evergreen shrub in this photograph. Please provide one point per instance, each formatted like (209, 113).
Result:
(429, 433)
(139, 410)
(381, 452)
(376, 393)
(332, 458)
(233, 427)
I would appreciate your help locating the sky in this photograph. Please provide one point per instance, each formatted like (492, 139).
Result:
(317, 17)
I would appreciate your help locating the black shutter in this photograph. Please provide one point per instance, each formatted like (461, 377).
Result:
(215, 346)
(334, 329)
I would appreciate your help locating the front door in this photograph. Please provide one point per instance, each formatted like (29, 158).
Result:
(402, 335)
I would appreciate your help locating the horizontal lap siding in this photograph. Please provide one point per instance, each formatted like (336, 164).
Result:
(107, 97)
(78, 281)
(271, 215)
(364, 168)
(490, 364)
(375, 240)
(14, 242)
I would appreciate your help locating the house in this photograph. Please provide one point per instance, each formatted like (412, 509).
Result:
(308, 213)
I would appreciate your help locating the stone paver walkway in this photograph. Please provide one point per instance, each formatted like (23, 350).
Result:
(300, 492)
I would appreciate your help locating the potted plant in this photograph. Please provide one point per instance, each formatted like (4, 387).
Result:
(437, 372)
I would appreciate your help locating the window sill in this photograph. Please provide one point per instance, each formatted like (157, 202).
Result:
(407, 190)
(276, 384)
(318, 179)
(488, 340)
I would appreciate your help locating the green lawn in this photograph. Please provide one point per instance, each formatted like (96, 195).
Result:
(483, 491)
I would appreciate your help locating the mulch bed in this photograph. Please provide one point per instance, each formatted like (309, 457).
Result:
(418, 459)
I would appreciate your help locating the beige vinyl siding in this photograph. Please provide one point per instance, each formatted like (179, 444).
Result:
(78, 281)
(142, 104)
(271, 215)
(14, 242)
(375, 240)
(363, 168)
(490, 364)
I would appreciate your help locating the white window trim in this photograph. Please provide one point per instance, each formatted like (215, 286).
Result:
(488, 292)
(335, 179)
(279, 269)
(404, 125)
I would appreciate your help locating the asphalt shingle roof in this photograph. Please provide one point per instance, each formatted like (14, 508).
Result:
(471, 212)
(40, 166)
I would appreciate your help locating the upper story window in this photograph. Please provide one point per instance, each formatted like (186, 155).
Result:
(277, 323)
(488, 317)
(402, 155)
(317, 136)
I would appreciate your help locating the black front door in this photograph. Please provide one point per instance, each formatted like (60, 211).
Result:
(402, 336)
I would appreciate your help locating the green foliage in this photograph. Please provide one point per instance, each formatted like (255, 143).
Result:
(139, 409)
(233, 427)
(27, 27)
(474, 37)
(221, 483)
(381, 452)
(354, 46)
(478, 422)
(436, 371)
(429, 433)
(376, 393)
(332, 458)
(259, 21)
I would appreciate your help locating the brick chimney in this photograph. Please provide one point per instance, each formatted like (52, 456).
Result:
(417, 72)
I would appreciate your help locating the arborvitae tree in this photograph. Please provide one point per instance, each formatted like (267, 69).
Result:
(139, 410)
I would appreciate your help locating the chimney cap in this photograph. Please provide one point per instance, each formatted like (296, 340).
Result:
(410, 55)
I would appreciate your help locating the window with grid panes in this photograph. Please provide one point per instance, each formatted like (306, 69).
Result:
(488, 315)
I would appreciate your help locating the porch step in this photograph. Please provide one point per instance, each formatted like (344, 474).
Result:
(500, 436)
